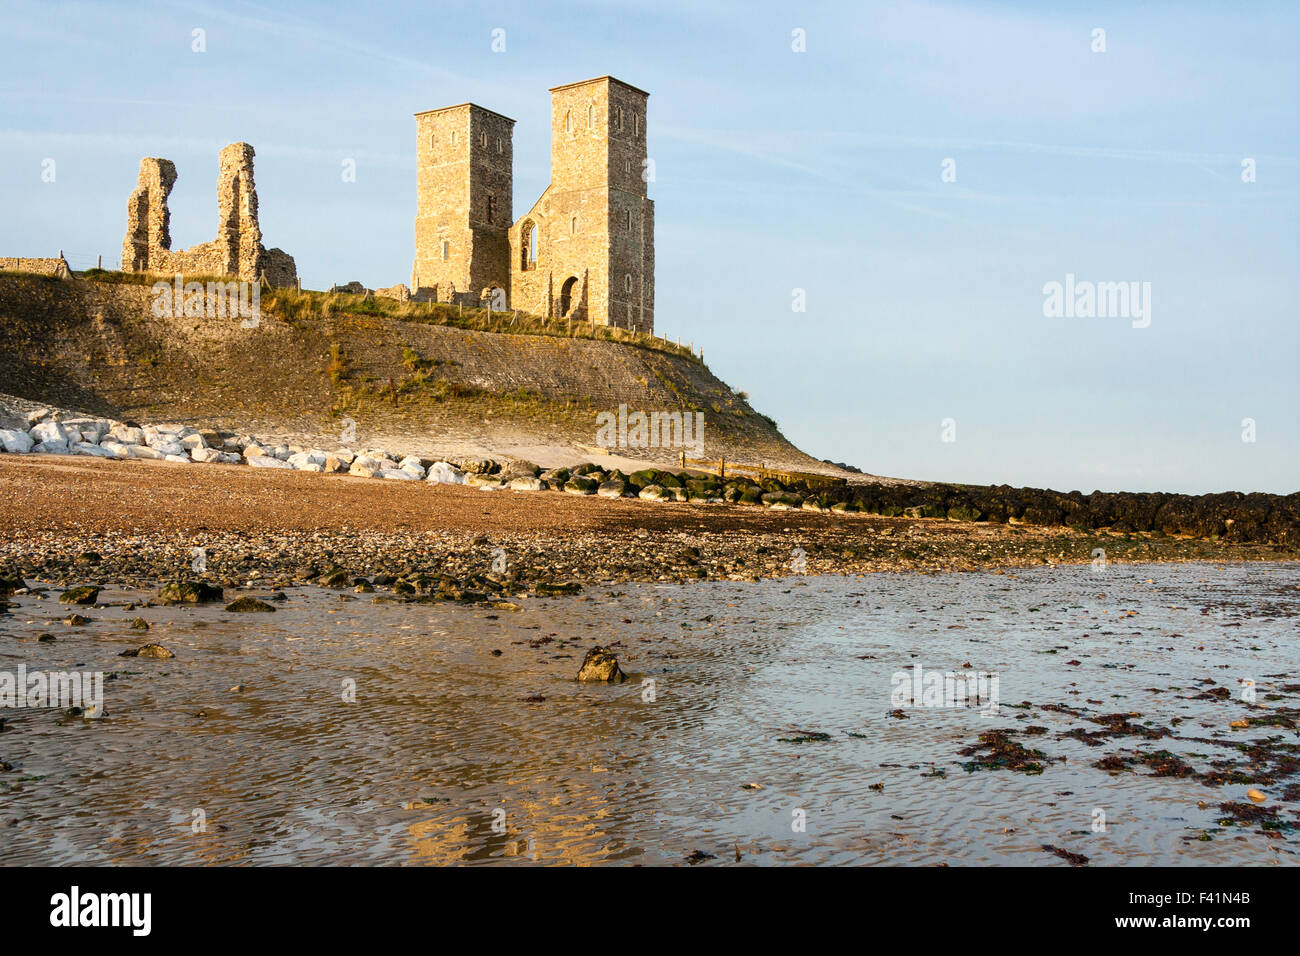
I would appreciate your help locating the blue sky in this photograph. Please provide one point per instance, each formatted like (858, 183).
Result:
(779, 170)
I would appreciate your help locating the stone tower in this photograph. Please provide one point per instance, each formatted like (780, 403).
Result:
(465, 186)
(586, 248)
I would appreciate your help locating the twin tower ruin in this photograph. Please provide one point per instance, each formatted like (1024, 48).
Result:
(584, 251)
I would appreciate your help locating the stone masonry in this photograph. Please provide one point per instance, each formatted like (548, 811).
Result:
(584, 251)
(236, 252)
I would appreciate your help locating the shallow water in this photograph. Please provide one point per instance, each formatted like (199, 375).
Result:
(447, 745)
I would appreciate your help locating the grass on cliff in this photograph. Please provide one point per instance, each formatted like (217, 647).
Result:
(301, 307)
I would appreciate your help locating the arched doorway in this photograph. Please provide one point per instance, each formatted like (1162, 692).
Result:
(567, 298)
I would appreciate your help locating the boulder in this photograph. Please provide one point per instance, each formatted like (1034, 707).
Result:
(86, 594)
(89, 448)
(413, 465)
(581, 485)
(189, 592)
(15, 442)
(266, 461)
(526, 483)
(47, 433)
(445, 473)
(205, 454)
(601, 666)
(191, 442)
(246, 605)
(399, 474)
(149, 651)
(179, 459)
(116, 449)
(781, 501)
(486, 482)
(51, 448)
(127, 434)
(655, 493)
(612, 489)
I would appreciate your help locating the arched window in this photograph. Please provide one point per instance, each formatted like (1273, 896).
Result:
(618, 118)
(433, 140)
(491, 207)
(568, 121)
(499, 148)
(528, 246)
(482, 139)
(636, 124)
(573, 226)
(446, 250)
(629, 220)
(627, 282)
(591, 116)
(453, 137)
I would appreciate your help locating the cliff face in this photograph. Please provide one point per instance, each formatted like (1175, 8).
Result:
(308, 366)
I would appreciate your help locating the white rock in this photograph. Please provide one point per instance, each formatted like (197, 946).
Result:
(282, 452)
(314, 457)
(440, 472)
(411, 462)
(309, 466)
(15, 442)
(144, 451)
(36, 416)
(51, 448)
(126, 434)
(346, 455)
(172, 449)
(399, 474)
(89, 448)
(116, 448)
(253, 450)
(362, 470)
(266, 461)
(229, 458)
(525, 483)
(90, 429)
(180, 459)
(205, 454)
(193, 441)
(50, 432)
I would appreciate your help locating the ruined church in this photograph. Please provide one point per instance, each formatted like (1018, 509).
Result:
(584, 251)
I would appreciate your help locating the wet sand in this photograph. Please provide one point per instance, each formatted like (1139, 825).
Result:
(772, 704)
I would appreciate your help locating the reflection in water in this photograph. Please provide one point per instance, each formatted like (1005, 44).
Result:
(451, 754)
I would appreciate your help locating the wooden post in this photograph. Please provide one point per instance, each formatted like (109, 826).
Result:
(99, 262)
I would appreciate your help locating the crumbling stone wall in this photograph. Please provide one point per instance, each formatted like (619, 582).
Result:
(41, 267)
(237, 251)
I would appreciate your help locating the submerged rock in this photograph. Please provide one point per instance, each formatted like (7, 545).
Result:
(601, 666)
(248, 604)
(189, 592)
(149, 651)
(86, 594)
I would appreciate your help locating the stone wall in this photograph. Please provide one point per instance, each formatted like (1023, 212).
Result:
(592, 259)
(236, 252)
(41, 267)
